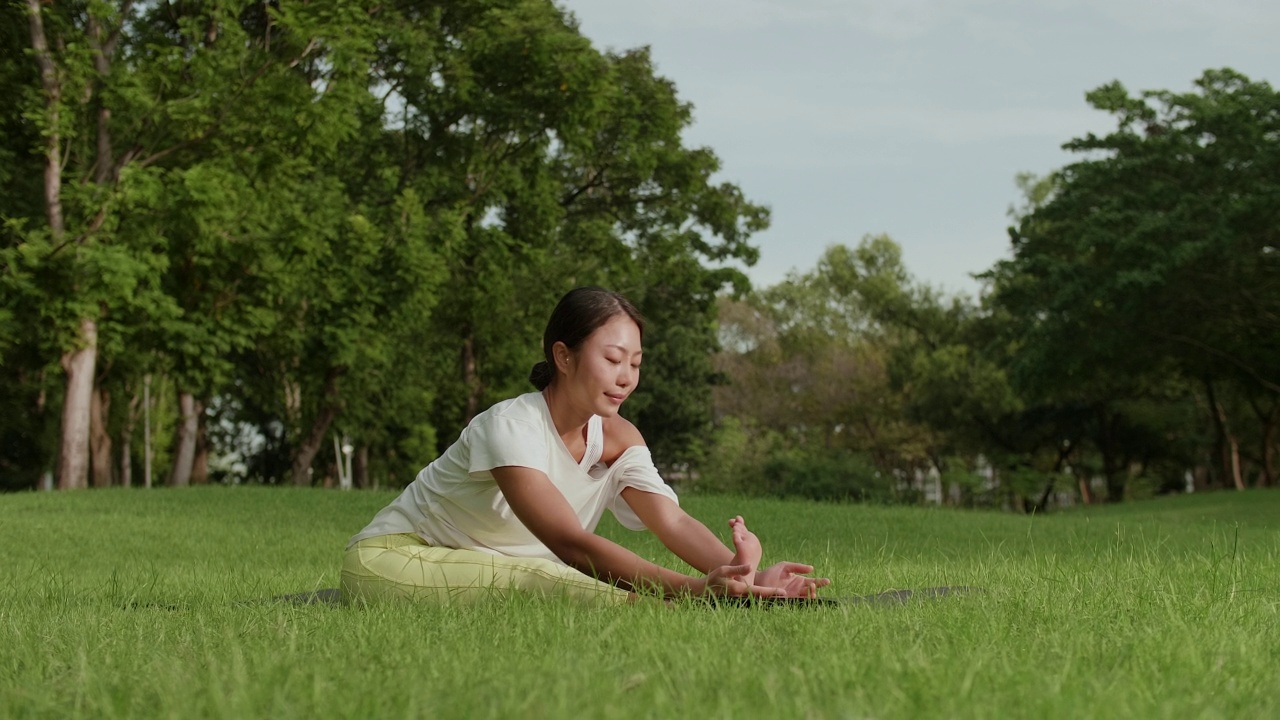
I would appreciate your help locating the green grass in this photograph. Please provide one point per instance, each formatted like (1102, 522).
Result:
(127, 603)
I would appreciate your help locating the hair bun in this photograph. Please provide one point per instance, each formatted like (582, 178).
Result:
(541, 375)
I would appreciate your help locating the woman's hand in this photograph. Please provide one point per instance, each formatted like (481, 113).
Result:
(730, 580)
(788, 578)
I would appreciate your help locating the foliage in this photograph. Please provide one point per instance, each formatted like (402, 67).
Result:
(843, 366)
(341, 218)
(1126, 345)
(1147, 271)
(832, 474)
(338, 219)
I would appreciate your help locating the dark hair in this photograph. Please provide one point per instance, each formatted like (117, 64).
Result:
(578, 314)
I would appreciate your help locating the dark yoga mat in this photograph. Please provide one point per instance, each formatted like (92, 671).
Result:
(333, 596)
(888, 597)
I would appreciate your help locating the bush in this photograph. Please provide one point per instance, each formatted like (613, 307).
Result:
(825, 474)
(735, 458)
(746, 459)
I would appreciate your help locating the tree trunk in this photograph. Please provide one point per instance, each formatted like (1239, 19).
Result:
(1115, 471)
(126, 441)
(73, 454)
(184, 458)
(306, 451)
(310, 446)
(1228, 445)
(200, 465)
(1235, 464)
(104, 173)
(344, 478)
(73, 458)
(1047, 493)
(1086, 497)
(1201, 478)
(52, 87)
(292, 402)
(126, 464)
(1063, 453)
(470, 378)
(99, 438)
(146, 431)
(1268, 420)
(361, 467)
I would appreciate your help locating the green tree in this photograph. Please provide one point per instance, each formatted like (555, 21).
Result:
(564, 166)
(131, 98)
(1155, 255)
(809, 369)
(337, 217)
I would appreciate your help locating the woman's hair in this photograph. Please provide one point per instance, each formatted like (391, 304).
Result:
(578, 314)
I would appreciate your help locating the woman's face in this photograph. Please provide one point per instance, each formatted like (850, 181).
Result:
(605, 368)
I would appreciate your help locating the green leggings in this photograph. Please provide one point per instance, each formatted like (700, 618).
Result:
(403, 567)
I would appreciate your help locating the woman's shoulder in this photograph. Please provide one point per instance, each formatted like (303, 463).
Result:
(620, 435)
(526, 406)
(520, 411)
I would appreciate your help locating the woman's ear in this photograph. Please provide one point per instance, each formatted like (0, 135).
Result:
(562, 355)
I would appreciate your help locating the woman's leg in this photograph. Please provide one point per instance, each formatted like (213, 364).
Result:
(403, 567)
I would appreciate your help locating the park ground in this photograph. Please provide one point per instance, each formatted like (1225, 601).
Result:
(136, 604)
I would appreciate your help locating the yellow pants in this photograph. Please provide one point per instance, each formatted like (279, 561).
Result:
(403, 567)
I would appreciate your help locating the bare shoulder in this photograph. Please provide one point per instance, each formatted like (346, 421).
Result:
(619, 435)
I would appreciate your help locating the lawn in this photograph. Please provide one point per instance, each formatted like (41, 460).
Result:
(135, 604)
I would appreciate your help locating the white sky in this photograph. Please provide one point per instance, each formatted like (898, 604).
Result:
(912, 117)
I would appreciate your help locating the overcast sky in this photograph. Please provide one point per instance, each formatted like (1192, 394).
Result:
(912, 117)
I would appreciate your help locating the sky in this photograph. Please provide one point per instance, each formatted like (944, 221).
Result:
(913, 117)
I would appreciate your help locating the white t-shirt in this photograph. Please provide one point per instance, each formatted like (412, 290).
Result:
(455, 502)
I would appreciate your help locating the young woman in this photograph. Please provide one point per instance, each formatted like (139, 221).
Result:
(512, 505)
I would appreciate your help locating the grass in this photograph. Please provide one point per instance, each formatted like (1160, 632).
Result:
(129, 603)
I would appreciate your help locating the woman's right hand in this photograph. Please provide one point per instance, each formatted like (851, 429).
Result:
(727, 580)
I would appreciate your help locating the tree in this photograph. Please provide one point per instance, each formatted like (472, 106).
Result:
(127, 94)
(809, 374)
(338, 217)
(1156, 255)
(563, 166)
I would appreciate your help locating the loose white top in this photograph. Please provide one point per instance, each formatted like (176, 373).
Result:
(455, 502)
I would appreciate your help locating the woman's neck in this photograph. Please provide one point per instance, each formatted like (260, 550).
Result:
(569, 420)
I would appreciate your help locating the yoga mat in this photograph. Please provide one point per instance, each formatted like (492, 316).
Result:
(333, 596)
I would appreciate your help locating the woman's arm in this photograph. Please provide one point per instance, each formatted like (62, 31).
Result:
(542, 509)
(683, 535)
(692, 542)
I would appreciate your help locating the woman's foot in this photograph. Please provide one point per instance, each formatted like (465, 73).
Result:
(747, 550)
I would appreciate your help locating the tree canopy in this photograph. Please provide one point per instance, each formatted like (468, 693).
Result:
(331, 219)
(270, 242)
(1128, 344)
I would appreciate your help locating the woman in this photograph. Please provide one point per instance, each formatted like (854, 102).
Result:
(512, 505)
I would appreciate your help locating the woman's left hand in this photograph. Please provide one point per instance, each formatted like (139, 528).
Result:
(730, 581)
(790, 578)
